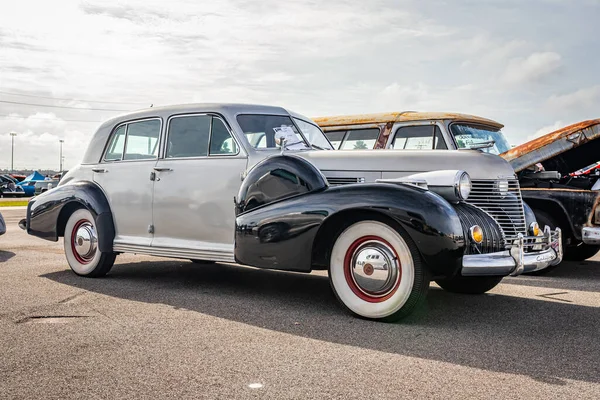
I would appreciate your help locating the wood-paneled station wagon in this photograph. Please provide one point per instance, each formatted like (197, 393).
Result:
(163, 181)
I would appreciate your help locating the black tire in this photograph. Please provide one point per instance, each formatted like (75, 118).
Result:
(469, 284)
(544, 219)
(195, 261)
(581, 252)
(400, 298)
(93, 264)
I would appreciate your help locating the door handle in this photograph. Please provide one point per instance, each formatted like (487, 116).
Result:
(99, 170)
(162, 169)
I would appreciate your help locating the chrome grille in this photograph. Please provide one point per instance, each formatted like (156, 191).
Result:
(507, 210)
(344, 180)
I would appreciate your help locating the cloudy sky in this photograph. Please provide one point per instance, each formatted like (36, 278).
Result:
(532, 65)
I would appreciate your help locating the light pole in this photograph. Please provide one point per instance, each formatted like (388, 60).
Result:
(61, 156)
(12, 151)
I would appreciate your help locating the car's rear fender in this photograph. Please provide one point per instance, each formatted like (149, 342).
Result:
(48, 213)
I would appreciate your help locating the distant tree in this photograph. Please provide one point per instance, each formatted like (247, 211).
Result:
(360, 145)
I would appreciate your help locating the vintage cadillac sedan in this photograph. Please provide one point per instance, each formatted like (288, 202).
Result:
(256, 185)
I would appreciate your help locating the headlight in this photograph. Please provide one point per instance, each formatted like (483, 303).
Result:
(502, 188)
(464, 186)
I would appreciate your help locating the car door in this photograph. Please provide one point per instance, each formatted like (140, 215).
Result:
(124, 176)
(196, 180)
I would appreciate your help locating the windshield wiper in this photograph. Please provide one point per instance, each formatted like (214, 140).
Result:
(314, 146)
(481, 145)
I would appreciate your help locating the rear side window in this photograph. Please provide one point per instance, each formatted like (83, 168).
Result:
(419, 137)
(142, 140)
(114, 151)
(360, 139)
(137, 140)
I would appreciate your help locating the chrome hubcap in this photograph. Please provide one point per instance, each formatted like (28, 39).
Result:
(374, 268)
(86, 240)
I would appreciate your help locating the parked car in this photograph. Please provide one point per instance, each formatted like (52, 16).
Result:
(2, 225)
(42, 186)
(558, 198)
(8, 187)
(411, 130)
(566, 203)
(454, 217)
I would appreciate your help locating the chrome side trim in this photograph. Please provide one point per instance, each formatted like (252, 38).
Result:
(515, 260)
(212, 255)
(591, 235)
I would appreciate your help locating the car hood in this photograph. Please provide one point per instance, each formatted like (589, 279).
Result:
(398, 163)
(565, 150)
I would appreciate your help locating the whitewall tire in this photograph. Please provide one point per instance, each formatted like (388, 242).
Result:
(81, 246)
(376, 271)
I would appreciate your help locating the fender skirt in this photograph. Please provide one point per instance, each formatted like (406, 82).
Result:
(44, 212)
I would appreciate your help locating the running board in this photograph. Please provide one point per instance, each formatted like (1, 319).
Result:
(190, 254)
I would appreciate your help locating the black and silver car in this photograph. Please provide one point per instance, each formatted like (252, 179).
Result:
(269, 194)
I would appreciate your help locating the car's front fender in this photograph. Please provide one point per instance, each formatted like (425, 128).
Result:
(282, 235)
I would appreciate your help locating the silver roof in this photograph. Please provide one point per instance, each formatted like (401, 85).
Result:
(228, 110)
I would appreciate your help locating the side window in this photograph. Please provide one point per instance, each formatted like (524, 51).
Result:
(142, 140)
(114, 152)
(188, 136)
(360, 139)
(420, 137)
(335, 137)
(221, 142)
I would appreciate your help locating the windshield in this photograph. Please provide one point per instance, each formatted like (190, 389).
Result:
(266, 131)
(314, 134)
(468, 136)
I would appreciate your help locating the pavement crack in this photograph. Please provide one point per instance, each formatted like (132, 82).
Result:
(548, 296)
(73, 297)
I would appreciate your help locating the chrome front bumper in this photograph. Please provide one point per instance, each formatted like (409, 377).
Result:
(546, 251)
(591, 235)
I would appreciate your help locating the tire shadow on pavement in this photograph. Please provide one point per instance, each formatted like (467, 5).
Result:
(6, 255)
(548, 341)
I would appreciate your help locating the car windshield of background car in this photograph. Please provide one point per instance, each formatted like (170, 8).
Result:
(468, 136)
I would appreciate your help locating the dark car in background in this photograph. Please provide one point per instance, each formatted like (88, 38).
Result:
(558, 196)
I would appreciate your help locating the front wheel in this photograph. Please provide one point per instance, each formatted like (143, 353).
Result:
(81, 246)
(581, 252)
(469, 284)
(376, 271)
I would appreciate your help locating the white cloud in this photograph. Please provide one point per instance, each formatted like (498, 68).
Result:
(535, 68)
(547, 129)
(586, 98)
(317, 58)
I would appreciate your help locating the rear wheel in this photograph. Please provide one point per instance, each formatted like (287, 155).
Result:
(469, 284)
(376, 271)
(81, 246)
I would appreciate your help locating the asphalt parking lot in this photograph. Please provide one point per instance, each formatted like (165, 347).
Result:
(162, 328)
